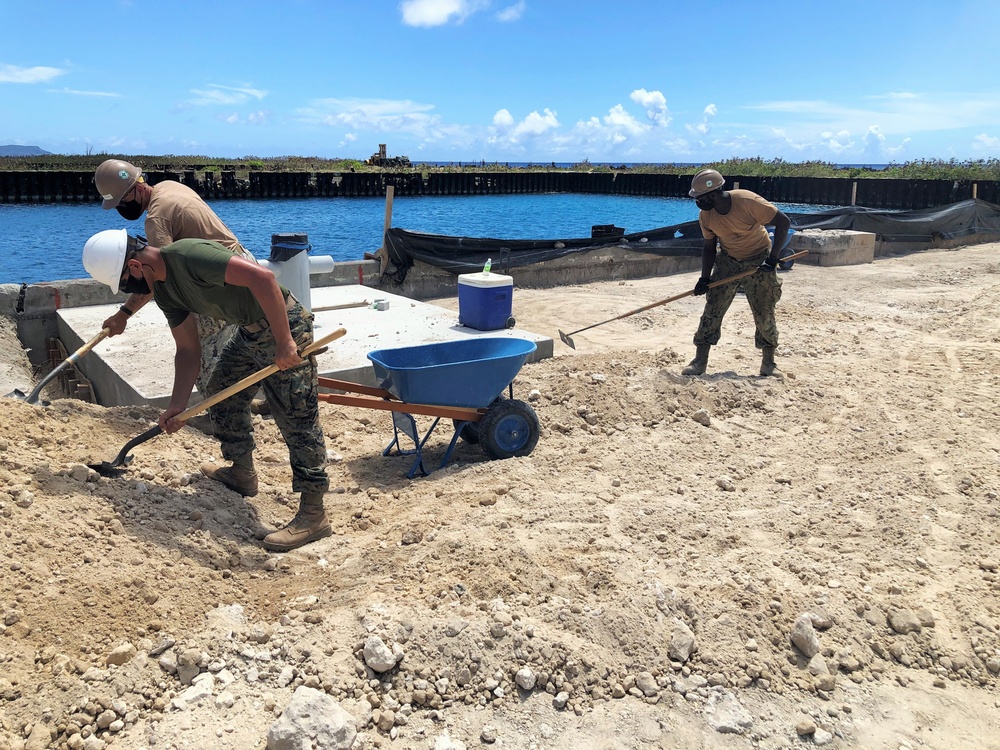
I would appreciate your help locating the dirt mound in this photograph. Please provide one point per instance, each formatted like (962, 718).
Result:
(726, 561)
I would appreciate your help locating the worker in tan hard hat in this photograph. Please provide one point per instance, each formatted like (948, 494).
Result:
(173, 212)
(734, 224)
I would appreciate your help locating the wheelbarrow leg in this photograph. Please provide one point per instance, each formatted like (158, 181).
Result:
(459, 426)
(405, 423)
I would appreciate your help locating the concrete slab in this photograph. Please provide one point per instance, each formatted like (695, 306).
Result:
(835, 247)
(137, 367)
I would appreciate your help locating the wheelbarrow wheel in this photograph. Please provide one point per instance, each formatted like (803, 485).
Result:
(509, 428)
(470, 432)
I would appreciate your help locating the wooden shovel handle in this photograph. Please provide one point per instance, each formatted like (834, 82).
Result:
(89, 345)
(249, 380)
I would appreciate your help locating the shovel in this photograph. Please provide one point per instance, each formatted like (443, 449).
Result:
(32, 397)
(567, 338)
(117, 467)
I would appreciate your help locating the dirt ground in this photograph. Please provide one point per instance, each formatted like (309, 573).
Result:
(638, 581)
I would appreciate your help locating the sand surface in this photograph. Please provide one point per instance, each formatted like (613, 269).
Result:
(646, 568)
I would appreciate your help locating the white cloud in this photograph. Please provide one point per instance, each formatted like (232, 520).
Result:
(984, 142)
(536, 124)
(76, 92)
(429, 13)
(37, 74)
(261, 115)
(897, 113)
(377, 115)
(503, 119)
(655, 105)
(232, 119)
(225, 95)
(702, 128)
(512, 12)
(619, 120)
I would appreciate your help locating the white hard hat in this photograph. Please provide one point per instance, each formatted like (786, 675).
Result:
(104, 256)
(113, 178)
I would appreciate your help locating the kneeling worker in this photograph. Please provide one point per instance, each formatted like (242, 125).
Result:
(199, 277)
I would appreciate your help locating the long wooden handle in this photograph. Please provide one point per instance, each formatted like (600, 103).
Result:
(249, 380)
(89, 345)
(688, 293)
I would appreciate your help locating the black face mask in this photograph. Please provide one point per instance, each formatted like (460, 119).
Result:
(133, 285)
(705, 204)
(130, 210)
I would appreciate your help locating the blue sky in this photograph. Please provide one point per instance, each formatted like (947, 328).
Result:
(505, 80)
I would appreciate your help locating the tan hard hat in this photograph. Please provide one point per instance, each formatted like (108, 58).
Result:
(706, 181)
(113, 178)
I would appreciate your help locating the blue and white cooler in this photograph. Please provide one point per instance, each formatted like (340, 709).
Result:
(484, 300)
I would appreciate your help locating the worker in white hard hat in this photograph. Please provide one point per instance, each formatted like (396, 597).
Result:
(194, 276)
(173, 212)
(734, 224)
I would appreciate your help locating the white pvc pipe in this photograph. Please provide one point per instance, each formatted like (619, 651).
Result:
(293, 274)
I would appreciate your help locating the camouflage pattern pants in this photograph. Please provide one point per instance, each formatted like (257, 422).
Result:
(214, 335)
(763, 291)
(292, 395)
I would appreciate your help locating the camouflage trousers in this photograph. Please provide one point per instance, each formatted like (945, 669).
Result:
(292, 395)
(214, 335)
(763, 290)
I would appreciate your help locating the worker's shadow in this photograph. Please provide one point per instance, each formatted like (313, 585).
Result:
(183, 518)
(398, 463)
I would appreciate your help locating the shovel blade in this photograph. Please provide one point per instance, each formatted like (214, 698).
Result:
(31, 398)
(567, 340)
(112, 469)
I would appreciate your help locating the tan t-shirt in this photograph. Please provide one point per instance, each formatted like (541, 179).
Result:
(741, 232)
(176, 212)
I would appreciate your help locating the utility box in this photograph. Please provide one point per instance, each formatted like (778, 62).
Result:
(484, 301)
(605, 231)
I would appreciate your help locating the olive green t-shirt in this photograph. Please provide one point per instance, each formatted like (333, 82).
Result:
(742, 232)
(196, 283)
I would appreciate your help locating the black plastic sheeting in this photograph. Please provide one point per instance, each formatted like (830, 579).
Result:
(459, 255)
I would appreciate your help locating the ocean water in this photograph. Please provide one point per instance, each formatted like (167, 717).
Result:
(44, 242)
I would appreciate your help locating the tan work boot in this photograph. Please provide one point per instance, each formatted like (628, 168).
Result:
(236, 478)
(699, 364)
(309, 524)
(767, 364)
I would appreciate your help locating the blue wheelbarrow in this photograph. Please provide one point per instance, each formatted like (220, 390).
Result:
(468, 381)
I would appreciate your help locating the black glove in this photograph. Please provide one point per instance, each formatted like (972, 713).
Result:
(702, 286)
(769, 264)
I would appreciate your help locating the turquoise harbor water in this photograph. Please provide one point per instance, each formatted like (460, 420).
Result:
(44, 242)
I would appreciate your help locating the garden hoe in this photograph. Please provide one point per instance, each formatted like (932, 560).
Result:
(567, 338)
(32, 397)
(117, 467)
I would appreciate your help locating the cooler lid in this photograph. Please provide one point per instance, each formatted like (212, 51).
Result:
(481, 279)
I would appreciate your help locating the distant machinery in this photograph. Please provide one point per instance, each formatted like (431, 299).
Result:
(379, 159)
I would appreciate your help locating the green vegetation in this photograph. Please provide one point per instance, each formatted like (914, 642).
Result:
(923, 169)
